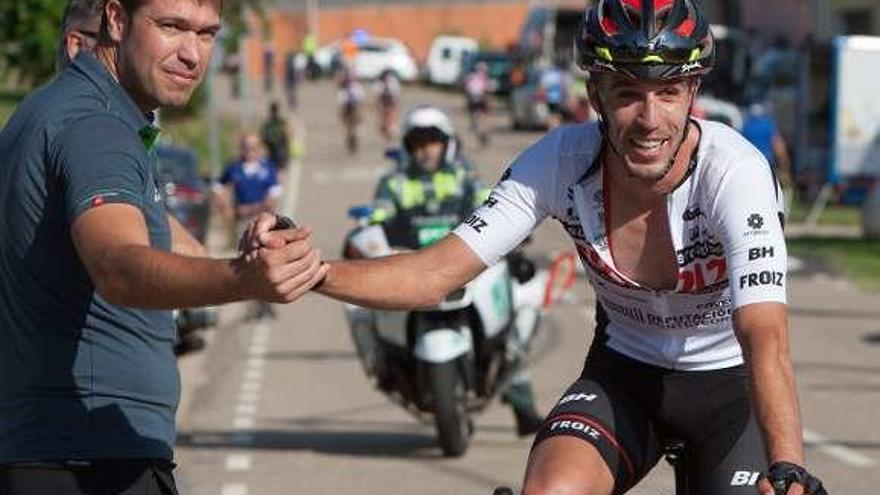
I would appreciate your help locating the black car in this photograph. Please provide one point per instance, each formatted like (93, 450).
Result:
(499, 64)
(187, 197)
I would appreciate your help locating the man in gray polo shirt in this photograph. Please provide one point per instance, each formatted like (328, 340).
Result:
(90, 264)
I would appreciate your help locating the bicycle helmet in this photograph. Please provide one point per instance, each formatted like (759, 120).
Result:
(646, 39)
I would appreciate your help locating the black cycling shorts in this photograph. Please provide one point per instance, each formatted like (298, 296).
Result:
(630, 410)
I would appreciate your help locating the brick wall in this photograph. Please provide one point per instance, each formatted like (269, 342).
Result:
(496, 24)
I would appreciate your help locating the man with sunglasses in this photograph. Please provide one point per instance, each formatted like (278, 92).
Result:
(678, 224)
(79, 29)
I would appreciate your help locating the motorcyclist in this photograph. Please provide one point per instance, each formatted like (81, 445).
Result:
(431, 191)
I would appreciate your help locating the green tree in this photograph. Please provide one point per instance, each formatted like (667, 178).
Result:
(29, 38)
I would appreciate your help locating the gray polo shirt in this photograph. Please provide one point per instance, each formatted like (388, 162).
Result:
(80, 378)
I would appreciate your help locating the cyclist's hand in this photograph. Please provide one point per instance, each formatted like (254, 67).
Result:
(765, 488)
(785, 478)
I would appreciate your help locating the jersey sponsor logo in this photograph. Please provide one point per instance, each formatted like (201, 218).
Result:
(578, 397)
(567, 424)
(759, 279)
(755, 221)
(760, 253)
(699, 250)
(745, 478)
(692, 214)
(491, 202)
(710, 316)
(506, 175)
(476, 222)
(697, 277)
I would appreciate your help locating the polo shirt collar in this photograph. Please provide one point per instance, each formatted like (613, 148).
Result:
(117, 100)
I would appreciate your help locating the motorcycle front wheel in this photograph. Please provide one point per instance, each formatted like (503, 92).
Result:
(450, 408)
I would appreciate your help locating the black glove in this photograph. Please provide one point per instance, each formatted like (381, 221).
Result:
(781, 475)
(283, 223)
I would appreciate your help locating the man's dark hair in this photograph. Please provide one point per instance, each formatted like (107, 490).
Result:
(77, 14)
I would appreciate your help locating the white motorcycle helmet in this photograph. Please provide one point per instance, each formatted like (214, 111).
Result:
(430, 121)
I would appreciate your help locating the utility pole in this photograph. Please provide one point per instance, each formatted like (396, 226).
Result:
(313, 10)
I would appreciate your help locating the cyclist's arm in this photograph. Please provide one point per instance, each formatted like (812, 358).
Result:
(419, 279)
(746, 209)
(520, 201)
(762, 330)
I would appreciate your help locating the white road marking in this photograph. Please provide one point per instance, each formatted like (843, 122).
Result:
(238, 462)
(243, 423)
(257, 350)
(249, 396)
(254, 374)
(837, 451)
(246, 408)
(251, 386)
(256, 363)
(234, 489)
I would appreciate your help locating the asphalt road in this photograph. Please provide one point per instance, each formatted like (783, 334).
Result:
(282, 406)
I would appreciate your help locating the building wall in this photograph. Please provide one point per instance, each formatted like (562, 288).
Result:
(496, 24)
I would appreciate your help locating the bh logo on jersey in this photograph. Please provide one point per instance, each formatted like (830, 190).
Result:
(745, 478)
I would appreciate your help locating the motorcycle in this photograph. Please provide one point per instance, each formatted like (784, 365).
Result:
(446, 363)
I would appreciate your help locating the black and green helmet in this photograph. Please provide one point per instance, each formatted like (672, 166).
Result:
(646, 39)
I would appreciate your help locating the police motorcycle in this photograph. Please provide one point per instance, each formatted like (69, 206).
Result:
(446, 363)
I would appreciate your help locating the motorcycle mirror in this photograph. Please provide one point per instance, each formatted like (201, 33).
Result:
(360, 211)
(393, 154)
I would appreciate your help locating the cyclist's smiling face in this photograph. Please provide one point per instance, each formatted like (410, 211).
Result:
(164, 49)
(645, 120)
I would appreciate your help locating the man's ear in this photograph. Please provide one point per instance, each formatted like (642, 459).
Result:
(116, 20)
(73, 44)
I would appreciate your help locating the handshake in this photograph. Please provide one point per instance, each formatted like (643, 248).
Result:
(277, 262)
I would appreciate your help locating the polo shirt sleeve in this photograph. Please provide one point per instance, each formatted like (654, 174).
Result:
(100, 160)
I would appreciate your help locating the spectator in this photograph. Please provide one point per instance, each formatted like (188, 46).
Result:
(291, 79)
(761, 130)
(276, 136)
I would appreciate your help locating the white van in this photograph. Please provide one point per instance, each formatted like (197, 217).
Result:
(445, 57)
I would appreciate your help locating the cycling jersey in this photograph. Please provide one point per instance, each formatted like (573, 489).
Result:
(724, 222)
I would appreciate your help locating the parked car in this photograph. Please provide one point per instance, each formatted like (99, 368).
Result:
(379, 55)
(187, 198)
(500, 65)
(445, 58)
(375, 57)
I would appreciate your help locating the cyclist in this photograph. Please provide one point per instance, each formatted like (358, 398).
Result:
(677, 223)
(476, 90)
(388, 98)
(350, 96)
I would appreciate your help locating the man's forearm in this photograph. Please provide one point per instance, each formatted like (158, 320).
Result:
(393, 282)
(776, 403)
(153, 279)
